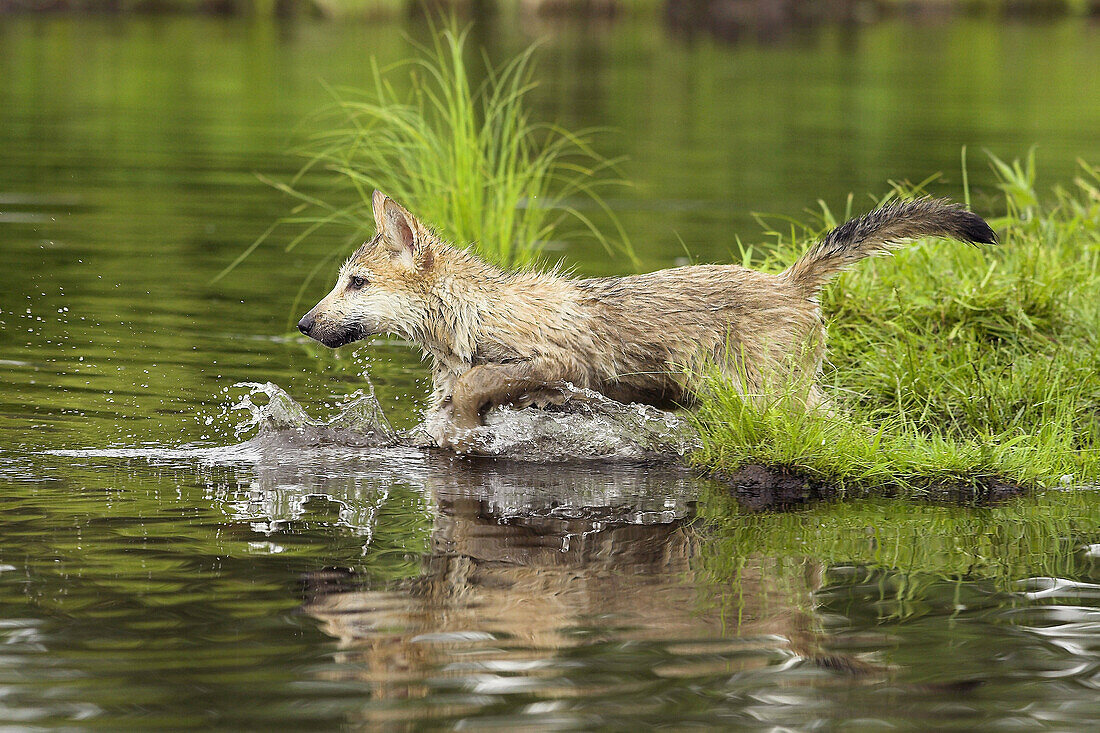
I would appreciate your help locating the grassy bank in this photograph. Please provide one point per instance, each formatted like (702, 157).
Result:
(949, 365)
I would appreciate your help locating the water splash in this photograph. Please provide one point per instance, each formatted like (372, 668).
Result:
(277, 417)
(587, 427)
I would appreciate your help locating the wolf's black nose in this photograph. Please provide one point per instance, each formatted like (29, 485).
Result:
(305, 324)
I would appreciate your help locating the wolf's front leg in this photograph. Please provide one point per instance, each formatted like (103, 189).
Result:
(486, 386)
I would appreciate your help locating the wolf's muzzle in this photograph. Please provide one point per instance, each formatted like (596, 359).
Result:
(326, 333)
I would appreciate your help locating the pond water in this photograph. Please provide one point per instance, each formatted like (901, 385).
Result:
(160, 569)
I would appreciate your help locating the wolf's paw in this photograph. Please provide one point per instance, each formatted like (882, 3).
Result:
(460, 441)
(453, 429)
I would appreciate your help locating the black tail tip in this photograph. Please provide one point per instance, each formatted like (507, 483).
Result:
(973, 228)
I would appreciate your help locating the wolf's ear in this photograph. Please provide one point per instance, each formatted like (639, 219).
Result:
(401, 233)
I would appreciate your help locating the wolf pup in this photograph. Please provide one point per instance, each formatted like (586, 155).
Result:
(521, 338)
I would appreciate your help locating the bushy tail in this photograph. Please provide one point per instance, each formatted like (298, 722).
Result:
(882, 230)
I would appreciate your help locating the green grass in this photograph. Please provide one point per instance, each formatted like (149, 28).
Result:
(948, 364)
(465, 156)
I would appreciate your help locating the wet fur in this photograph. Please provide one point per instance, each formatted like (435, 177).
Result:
(497, 337)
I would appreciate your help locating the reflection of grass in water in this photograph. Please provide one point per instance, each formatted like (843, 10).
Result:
(919, 544)
(462, 156)
(949, 364)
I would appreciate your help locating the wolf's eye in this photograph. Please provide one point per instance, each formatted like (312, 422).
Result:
(357, 282)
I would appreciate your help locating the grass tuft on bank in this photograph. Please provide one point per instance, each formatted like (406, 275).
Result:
(454, 140)
(949, 366)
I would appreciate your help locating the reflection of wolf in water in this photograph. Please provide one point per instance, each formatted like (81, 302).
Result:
(522, 337)
(527, 582)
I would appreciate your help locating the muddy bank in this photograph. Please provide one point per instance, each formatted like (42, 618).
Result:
(758, 488)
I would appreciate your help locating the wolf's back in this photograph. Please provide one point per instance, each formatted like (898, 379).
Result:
(882, 230)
